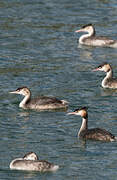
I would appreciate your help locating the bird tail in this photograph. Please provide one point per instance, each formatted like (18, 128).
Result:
(65, 102)
(54, 168)
(115, 138)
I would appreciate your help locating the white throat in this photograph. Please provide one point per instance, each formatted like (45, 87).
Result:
(24, 101)
(83, 37)
(105, 80)
(84, 125)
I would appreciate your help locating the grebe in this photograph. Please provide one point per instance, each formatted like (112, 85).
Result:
(92, 40)
(30, 162)
(92, 134)
(108, 81)
(39, 103)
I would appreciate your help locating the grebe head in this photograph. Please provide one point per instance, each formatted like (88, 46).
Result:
(23, 91)
(31, 156)
(103, 67)
(80, 112)
(87, 28)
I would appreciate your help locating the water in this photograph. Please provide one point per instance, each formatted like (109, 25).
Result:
(38, 49)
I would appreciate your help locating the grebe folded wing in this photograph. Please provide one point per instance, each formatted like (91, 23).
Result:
(102, 41)
(97, 134)
(43, 100)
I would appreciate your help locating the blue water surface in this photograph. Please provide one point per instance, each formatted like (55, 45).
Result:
(39, 49)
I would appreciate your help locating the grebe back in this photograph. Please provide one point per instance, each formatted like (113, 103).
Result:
(97, 134)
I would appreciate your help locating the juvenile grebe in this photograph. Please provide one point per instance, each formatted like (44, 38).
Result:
(30, 162)
(92, 40)
(92, 134)
(108, 81)
(39, 103)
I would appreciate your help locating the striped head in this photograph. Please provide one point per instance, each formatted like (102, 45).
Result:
(80, 112)
(103, 67)
(22, 90)
(87, 28)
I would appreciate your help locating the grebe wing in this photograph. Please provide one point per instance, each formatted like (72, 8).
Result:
(97, 134)
(105, 40)
(39, 165)
(44, 165)
(44, 100)
(101, 40)
(112, 83)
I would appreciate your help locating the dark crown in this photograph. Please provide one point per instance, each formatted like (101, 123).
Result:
(18, 89)
(82, 108)
(101, 65)
(87, 25)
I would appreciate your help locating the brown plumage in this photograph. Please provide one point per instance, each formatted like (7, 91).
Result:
(97, 134)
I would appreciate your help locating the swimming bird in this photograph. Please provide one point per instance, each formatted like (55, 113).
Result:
(30, 162)
(91, 39)
(40, 102)
(97, 134)
(108, 81)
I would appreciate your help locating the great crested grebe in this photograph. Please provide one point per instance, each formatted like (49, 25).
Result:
(92, 134)
(40, 102)
(92, 40)
(30, 162)
(108, 81)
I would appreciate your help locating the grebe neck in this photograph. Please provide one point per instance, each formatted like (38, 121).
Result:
(109, 76)
(25, 101)
(84, 125)
(85, 36)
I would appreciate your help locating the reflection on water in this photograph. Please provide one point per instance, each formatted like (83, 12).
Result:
(24, 114)
(85, 53)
